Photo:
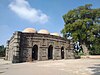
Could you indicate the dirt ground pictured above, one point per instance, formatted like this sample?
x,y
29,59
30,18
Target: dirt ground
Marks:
x,y
52,67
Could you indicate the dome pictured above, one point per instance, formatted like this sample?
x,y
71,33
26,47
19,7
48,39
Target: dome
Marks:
x,y
43,31
55,34
29,30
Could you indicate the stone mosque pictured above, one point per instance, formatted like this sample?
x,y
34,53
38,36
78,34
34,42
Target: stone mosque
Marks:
x,y
30,45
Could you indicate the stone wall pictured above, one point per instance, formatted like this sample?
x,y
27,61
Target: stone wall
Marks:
x,y
13,48
19,48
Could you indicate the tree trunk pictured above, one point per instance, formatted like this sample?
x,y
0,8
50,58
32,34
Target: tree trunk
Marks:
x,y
85,49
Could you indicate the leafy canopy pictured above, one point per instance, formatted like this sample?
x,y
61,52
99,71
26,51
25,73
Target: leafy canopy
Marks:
x,y
83,22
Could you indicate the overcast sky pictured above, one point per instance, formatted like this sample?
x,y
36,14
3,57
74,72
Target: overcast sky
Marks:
x,y
16,15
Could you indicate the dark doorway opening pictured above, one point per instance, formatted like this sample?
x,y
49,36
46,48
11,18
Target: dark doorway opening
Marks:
x,y
62,52
50,52
35,52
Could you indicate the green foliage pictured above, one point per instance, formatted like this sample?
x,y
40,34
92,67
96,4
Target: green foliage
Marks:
x,y
2,51
84,24
95,49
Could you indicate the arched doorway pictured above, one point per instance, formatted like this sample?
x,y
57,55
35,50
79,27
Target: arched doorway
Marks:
x,y
50,52
62,52
35,52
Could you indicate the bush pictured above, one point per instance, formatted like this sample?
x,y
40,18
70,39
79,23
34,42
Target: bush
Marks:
x,y
95,50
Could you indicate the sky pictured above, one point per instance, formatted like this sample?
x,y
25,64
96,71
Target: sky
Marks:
x,y
16,15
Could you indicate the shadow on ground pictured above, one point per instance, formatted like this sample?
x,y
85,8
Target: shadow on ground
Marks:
x,y
2,72
95,69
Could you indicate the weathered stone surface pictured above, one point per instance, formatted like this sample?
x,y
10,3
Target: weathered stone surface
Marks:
x,y
21,47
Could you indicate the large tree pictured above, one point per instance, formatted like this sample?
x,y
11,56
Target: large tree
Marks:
x,y
84,24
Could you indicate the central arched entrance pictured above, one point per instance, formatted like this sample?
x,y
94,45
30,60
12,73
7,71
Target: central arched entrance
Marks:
x,y
62,52
35,52
50,52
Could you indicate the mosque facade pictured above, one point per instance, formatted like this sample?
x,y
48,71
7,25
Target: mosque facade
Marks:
x,y
30,45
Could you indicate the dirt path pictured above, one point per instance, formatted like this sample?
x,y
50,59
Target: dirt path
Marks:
x,y
53,67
